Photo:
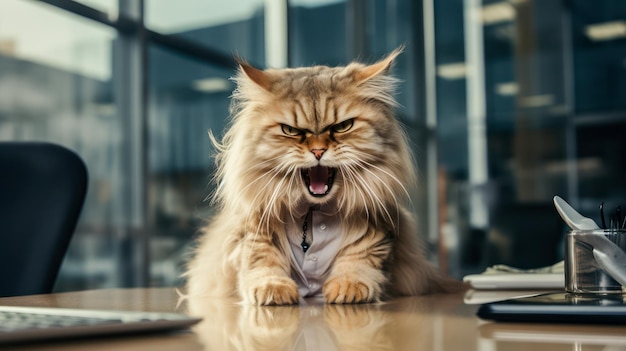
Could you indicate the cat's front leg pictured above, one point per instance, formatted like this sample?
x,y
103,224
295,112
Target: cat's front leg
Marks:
x,y
264,275
269,288
358,273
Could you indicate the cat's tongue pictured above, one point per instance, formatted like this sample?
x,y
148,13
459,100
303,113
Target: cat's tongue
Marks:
x,y
318,178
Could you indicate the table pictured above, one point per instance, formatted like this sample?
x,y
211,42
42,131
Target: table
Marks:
x,y
433,323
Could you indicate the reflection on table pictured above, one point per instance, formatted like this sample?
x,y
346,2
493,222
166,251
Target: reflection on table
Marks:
x,y
510,336
402,324
429,323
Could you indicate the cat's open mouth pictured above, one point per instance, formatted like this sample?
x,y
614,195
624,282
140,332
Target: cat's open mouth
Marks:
x,y
319,179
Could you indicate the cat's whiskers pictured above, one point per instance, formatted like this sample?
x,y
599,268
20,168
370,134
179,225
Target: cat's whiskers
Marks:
x,y
275,193
353,155
377,202
347,173
271,208
392,176
264,219
294,176
391,192
261,178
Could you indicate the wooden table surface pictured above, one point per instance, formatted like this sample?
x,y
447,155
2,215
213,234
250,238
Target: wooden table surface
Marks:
x,y
437,322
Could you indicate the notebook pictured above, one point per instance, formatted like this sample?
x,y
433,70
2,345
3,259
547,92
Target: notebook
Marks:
x,y
24,324
504,281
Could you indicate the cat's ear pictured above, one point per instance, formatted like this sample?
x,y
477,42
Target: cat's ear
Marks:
x,y
378,68
260,77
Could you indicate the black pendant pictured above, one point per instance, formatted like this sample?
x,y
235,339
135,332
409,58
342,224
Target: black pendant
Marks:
x,y
305,246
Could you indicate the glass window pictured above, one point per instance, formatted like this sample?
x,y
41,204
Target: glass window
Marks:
x,y
183,106
56,85
45,35
317,33
107,6
601,165
389,26
530,99
232,27
599,55
60,81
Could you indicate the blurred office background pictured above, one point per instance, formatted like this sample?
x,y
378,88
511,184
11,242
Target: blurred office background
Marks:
x,y
507,103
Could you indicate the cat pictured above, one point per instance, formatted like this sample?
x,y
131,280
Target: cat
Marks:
x,y
312,199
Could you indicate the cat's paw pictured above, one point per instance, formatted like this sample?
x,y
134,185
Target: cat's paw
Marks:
x,y
346,289
274,291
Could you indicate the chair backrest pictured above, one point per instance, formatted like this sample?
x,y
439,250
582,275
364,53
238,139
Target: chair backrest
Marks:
x,y
42,190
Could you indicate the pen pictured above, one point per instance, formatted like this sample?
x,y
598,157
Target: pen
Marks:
x,y
602,215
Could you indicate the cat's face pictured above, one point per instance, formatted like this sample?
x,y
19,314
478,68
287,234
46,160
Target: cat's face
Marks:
x,y
317,125
321,134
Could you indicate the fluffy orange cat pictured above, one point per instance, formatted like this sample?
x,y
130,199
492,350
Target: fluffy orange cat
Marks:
x,y
312,192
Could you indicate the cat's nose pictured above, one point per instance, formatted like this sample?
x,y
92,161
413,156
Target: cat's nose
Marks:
x,y
318,153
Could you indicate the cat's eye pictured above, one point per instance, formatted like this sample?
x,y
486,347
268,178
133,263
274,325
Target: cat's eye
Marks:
x,y
289,130
343,126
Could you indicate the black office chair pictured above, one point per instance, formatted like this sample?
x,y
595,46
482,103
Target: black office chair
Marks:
x,y
42,190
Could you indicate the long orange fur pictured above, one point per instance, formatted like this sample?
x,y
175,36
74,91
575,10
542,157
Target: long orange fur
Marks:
x,y
243,251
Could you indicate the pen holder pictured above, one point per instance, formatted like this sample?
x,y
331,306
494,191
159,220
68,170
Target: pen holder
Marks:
x,y
595,261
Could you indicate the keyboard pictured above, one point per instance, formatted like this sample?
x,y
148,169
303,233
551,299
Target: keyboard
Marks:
x,y
23,324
